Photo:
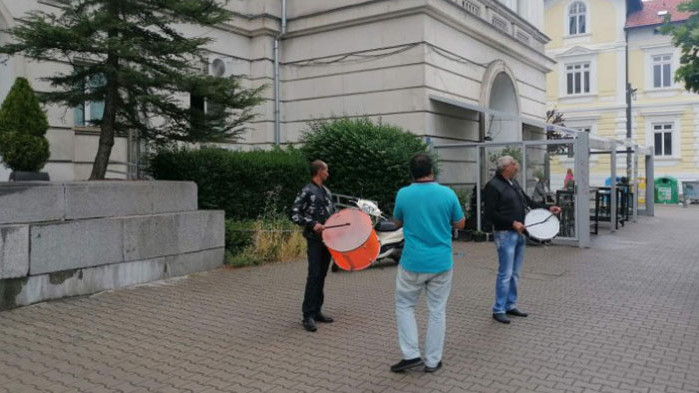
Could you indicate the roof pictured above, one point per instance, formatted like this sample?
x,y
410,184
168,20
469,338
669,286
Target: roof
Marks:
x,y
648,15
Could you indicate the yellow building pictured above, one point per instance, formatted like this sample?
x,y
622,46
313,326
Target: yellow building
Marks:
x,y
595,43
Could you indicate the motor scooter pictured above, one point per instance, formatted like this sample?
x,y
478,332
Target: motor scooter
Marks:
x,y
389,234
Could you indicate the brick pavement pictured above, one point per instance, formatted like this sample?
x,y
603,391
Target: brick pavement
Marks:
x,y
622,316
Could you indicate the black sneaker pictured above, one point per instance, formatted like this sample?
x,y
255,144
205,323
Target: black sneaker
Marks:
x,y
516,313
309,324
406,364
500,317
429,369
323,318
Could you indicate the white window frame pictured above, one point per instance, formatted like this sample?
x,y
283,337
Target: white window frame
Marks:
x,y
568,15
663,91
87,110
565,60
663,61
662,128
570,68
673,118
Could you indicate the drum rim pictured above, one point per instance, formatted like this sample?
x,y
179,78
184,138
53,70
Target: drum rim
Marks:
x,y
363,241
353,269
554,218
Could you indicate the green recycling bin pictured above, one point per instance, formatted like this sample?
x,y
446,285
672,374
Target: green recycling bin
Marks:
x,y
666,190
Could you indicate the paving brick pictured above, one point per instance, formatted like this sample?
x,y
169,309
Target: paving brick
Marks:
x,y
611,318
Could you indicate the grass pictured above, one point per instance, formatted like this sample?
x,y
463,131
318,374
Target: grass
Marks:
x,y
252,243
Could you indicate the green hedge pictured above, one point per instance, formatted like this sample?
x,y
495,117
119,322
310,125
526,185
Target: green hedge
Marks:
x,y
366,159
246,185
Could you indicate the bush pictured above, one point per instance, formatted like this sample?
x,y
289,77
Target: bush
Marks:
x,y
239,235
367,160
23,152
244,184
251,243
23,125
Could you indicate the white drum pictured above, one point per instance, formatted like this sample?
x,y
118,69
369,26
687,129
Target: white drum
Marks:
x,y
541,224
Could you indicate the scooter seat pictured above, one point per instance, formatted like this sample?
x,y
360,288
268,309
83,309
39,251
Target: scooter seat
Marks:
x,y
385,226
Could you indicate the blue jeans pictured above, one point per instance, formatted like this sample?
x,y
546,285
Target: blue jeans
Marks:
x,y
409,285
510,246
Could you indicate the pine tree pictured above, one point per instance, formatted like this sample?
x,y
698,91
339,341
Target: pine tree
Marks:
x,y
144,65
23,125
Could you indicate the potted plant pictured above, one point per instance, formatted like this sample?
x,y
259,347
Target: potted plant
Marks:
x,y
23,124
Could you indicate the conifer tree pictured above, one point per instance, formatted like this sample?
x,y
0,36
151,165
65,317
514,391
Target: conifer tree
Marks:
x,y
23,125
133,57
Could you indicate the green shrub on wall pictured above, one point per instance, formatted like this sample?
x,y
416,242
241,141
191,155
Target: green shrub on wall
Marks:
x,y
366,159
23,124
244,184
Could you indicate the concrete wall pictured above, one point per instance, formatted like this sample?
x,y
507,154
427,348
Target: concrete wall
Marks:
x,y
76,238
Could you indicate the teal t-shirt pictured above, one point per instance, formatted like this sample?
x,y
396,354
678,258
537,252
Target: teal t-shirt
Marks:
x,y
427,211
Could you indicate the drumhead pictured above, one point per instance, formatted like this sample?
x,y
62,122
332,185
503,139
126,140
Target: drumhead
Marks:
x,y
350,237
541,224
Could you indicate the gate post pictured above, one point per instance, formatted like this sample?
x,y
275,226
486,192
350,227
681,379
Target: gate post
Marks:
x,y
582,189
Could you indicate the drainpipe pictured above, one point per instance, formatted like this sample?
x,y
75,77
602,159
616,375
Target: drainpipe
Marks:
x,y
277,105
629,93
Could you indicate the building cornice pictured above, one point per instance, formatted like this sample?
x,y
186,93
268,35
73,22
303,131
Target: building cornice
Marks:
x,y
441,10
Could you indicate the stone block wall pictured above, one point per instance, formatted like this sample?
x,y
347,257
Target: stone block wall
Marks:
x,y
77,238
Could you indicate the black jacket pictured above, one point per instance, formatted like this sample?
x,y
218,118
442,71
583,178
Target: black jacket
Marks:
x,y
312,205
505,203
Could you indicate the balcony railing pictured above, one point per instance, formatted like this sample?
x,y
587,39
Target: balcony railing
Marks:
x,y
499,16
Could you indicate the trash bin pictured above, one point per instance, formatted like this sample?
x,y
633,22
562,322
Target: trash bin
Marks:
x,y
690,190
666,190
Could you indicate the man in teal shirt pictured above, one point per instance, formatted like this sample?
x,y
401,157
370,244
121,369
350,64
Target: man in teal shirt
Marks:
x,y
427,211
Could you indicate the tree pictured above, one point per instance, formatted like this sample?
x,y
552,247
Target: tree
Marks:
x,y
130,55
366,159
553,116
686,37
23,125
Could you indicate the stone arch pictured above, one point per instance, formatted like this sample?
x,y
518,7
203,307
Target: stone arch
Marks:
x,y
499,92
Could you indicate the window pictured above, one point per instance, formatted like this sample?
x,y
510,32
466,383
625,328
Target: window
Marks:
x,y
577,18
90,112
662,71
578,78
203,109
662,137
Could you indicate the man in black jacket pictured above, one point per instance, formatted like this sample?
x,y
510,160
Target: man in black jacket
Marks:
x,y
505,204
311,208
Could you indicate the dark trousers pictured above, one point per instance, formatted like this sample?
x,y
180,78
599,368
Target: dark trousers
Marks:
x,y
318,263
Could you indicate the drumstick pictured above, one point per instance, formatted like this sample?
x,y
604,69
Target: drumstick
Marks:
x,y
337,226
540,222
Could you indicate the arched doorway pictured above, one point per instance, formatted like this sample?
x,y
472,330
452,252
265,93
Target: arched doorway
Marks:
x,y
499,93
503,98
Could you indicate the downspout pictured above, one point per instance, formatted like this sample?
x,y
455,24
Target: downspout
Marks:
x,y
277,105
629,92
